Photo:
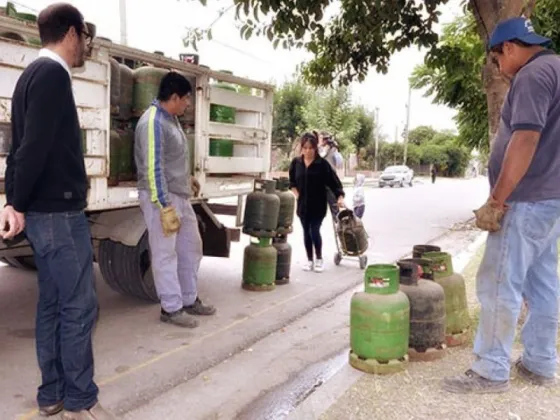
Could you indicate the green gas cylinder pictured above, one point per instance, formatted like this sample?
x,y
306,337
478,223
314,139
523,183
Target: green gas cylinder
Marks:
x,y
456,308
146,87
115,88
126,92
427,313
287,206
262,207
114,158
222,114
380,322
259,266
126,153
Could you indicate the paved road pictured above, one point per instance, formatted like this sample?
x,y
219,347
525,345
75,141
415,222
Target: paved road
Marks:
x,y
150,370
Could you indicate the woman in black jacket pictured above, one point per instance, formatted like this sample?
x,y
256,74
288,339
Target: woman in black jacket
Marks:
x,y
310,176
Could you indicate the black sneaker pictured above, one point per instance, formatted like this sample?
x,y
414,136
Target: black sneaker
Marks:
x,y
472,383
533,378
198,308
179,318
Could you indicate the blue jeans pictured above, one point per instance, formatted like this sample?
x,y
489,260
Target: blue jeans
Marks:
x,y
359,211
66,309
520,261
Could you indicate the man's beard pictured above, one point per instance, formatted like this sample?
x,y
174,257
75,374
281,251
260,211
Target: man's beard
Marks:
x,y
81,58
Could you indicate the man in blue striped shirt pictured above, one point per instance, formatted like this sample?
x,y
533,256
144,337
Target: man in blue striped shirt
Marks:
x,y
164,183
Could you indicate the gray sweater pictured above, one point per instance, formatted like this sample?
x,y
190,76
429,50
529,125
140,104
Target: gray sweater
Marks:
x,y
161,154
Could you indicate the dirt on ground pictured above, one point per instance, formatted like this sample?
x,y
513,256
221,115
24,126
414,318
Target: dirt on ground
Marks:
x,y
416,392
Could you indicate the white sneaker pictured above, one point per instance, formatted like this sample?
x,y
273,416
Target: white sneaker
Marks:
x,y
308,266
319,266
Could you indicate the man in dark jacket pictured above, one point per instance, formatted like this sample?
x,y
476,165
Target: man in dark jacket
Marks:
x,y
46,192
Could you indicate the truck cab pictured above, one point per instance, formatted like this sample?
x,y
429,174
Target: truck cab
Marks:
x,y
228,130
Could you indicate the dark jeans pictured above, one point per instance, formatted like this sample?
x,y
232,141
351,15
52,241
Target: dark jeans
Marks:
x,y
312,237
359,210
66,310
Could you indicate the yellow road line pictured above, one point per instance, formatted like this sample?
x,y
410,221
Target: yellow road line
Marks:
x,y
29,415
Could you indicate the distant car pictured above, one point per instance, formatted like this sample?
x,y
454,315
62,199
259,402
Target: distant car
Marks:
x,y
400,175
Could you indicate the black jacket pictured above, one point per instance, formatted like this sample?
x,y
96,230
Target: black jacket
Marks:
x,y
312,183
45,168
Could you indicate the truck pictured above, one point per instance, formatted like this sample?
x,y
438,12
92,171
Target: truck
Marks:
x,y
227,155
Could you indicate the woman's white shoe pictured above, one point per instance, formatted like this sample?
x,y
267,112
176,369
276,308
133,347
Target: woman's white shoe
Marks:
x,y
308,266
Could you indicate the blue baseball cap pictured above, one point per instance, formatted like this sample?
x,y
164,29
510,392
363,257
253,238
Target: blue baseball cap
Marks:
x,y
516,28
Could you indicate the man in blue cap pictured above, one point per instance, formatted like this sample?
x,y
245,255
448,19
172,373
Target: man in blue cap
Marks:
x,y
522,216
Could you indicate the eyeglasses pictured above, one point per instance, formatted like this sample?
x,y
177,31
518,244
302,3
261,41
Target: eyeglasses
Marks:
x,y
89,33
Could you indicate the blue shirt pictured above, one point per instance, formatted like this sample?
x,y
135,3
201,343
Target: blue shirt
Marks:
x,y
532,103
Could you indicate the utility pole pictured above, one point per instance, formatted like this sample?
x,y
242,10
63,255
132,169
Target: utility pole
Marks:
x,y
122,12
407,124
376,137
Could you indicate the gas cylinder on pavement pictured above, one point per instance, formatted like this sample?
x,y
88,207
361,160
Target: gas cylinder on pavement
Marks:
x,y
261,210
456,307
259,266
424,267
284,261
427,314
379,322
287,206
419,250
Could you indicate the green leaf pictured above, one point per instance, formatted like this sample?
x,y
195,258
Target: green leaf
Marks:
x,y
209,34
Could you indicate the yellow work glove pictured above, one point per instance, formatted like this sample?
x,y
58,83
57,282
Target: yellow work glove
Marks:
x,y
195,186
170,221
490,215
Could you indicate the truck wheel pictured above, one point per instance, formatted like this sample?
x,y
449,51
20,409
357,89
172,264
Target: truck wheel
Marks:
x,y
23,263
127,269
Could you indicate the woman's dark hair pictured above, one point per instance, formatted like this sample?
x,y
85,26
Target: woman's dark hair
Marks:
x,y
312,139
55,21
171,83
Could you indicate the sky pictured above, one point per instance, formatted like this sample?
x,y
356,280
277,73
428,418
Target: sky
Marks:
x,y
161,25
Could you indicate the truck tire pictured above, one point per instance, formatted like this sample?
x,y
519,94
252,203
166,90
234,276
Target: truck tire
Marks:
x,y
127,269
23,263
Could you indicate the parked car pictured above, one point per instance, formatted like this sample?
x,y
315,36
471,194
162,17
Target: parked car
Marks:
x,y
400,175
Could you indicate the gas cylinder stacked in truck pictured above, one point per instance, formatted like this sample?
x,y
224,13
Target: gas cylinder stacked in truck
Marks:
x,y
284,228
134,87
260,221
225,115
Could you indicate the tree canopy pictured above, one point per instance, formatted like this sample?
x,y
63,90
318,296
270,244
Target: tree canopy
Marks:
x,y
452,71
362,35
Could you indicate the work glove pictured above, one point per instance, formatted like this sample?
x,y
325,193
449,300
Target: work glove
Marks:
x,y
490,215
195,186
170,221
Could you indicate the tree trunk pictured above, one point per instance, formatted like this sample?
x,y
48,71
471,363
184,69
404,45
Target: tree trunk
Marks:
x,y
487,14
